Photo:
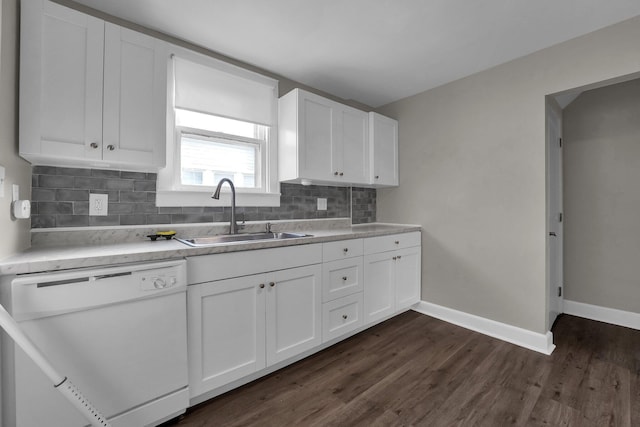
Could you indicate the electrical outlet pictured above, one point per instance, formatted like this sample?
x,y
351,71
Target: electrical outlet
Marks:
x,y
322,204
98,204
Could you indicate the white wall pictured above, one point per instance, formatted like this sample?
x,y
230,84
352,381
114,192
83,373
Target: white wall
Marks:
x,y
602,197
14,233
472,173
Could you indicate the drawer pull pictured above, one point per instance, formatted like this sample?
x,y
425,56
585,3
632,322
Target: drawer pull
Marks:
x,y
344,278
395,258
397,242
344,316
345,250
272,284
336,173
261,285
93,145
399,256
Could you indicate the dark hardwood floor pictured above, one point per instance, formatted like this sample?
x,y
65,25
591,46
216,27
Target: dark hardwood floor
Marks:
x,y
416,370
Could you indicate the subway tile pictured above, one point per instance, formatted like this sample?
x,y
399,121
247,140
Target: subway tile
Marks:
x,y
147,208
133,175
56,181
121,208
158,219
73,171
133,219
81,208
104,220
133,196
55,208
72,195
144,185
105,173
43,221
43,194
72,220
43,170
119,184
189,218
89,183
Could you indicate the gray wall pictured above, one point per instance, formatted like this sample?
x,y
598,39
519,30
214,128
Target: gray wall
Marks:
x,y
472,174
15,233
601,160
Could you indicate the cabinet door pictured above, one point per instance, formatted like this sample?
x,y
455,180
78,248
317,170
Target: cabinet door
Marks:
x,y
226,332
379,286
384,150
61,70
353,153
134,98
293,312
408,273
316,137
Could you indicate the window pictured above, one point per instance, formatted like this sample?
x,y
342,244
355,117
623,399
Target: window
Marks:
x,y
222,125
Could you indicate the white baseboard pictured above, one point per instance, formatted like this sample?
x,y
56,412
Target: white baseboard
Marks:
x,y
542,343
627,319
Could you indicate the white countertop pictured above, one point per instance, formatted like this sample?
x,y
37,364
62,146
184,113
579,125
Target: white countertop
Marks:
x,y
48,258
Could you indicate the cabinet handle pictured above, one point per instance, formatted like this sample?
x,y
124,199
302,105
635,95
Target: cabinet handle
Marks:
x,y
336,173
344,278
272,284
345,250
395,258
261,285
344,316
397,242
341,173
111,147
377,176
399,256
93,145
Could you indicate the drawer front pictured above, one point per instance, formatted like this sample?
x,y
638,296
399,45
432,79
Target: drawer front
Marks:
x,y
341,249
391,242
341,278
341,316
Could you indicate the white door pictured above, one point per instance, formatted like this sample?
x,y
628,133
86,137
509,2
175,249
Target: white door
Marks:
x,y
379,286
384,149
61,75
317,135
407,277
134,97
294,304
226,331
555,289
354,153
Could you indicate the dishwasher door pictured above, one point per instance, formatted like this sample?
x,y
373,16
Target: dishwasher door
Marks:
x,y
118,333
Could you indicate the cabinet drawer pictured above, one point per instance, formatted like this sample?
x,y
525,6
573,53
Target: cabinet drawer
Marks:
x,y
341,249
391,242
341,316
341,278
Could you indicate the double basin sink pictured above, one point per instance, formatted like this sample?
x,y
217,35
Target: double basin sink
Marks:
x,y
238,238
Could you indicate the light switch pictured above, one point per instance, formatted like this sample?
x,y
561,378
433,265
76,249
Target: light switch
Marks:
x,y
322,204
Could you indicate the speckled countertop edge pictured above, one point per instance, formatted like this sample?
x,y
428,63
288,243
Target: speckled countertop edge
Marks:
x,y
50,258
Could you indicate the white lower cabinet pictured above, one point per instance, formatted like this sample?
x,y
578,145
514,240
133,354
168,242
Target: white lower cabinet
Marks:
x,y
341,316
392,271
241,325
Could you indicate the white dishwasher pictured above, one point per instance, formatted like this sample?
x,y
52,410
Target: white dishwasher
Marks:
x,y
119,333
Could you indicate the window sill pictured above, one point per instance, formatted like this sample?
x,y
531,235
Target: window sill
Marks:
x,y
201,198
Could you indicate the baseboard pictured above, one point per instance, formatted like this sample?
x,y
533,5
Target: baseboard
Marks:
x,y
627,319
542,343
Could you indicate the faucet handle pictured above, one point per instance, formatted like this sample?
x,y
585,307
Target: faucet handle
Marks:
x,y
268,227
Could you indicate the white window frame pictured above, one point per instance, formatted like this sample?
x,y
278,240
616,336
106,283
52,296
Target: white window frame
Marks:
x,y
171,192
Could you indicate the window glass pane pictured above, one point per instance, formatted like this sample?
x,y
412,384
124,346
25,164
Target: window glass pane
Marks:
x,y
205,161
192,119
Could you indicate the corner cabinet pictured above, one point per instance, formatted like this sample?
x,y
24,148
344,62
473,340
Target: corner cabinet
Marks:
x,y
322,141
91,93
383,133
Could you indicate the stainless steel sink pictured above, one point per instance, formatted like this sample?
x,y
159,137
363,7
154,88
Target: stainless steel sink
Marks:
x,y
238,238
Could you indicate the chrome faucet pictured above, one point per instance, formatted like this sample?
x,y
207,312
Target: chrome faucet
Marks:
x,y
233,226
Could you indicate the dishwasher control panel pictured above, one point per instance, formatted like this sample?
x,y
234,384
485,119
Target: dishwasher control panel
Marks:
x,y
152,280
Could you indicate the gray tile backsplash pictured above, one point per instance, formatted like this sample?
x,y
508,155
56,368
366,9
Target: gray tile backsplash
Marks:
x,y
60,198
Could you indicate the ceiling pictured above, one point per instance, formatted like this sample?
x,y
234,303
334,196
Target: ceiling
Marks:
x,y
372,51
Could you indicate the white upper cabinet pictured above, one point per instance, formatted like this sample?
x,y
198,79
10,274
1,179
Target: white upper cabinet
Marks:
x,y
91,93
383,134
322,141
